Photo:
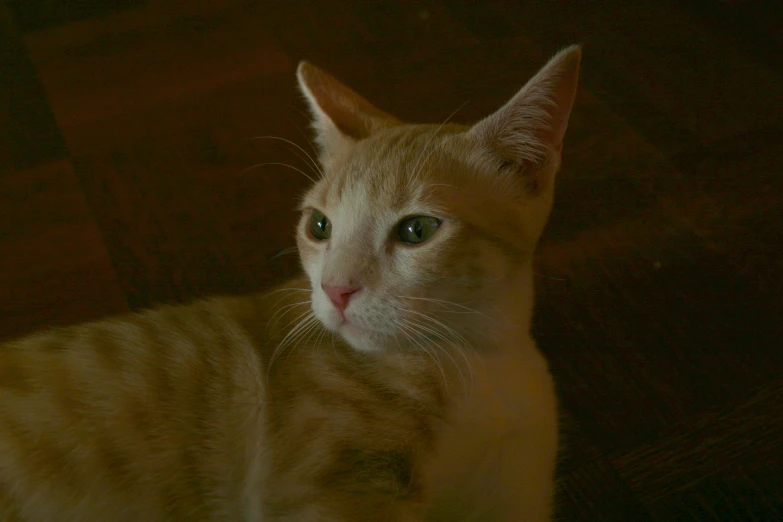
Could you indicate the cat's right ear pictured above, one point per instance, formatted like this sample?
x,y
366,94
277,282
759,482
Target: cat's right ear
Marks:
x,y
341,117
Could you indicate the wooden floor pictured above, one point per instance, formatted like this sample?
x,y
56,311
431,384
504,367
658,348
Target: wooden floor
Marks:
x,y
125,138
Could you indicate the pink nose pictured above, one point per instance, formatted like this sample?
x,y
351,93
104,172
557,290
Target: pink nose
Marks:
x,y
340,295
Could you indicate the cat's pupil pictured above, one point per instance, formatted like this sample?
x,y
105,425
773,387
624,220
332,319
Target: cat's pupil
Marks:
x,y
417,229
320,227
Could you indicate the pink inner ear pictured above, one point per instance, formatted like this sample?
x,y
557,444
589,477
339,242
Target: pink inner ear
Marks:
x,y
529,129
353,115
346,115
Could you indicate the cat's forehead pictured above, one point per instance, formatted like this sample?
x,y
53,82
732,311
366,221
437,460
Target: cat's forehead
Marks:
x,y
391,169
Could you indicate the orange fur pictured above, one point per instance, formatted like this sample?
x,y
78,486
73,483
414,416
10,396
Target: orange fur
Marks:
x,y
426,399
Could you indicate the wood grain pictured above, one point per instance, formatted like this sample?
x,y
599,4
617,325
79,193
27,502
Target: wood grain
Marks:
x,y
54,268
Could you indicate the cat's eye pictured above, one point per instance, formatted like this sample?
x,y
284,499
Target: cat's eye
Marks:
x,y
418,229
320,226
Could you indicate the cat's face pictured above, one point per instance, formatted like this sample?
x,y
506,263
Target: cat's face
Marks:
x,y
414,231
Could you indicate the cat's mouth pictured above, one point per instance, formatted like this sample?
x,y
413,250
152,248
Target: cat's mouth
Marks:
x,y
353,327
360,337
358,334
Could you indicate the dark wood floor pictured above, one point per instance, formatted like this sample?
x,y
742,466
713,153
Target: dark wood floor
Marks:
x,y
124,137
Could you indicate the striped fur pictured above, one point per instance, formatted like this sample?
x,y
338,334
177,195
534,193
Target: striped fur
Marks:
x,y
431,403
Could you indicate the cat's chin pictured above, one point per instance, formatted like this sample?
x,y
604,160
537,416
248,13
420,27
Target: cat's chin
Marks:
x,y
361,339
350,329
357,337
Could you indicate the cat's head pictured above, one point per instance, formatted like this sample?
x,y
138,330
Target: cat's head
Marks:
x,y
419,231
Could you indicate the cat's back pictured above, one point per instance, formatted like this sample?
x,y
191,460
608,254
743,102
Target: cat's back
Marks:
x,y
114,420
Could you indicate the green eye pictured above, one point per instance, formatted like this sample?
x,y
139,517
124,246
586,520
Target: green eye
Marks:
x,y
418,229
320,226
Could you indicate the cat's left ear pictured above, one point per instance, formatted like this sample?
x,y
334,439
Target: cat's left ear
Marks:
x,y
526,134
341,117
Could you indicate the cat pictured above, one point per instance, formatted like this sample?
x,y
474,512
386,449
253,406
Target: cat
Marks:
x,y
396,380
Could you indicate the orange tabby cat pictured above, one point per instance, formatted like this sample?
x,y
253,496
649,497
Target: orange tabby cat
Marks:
x,y
397,382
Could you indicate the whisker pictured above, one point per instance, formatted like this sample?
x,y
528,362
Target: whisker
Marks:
x,y
299,320
284,252
307,312
291,336
501,313
309,157
550,277
399,351
317,342
290,292
295,289
308,161
435,359
282,310
450,303
309,142
303,173
297,339
419,162
456,339
302,338
449,341
456,335
445,185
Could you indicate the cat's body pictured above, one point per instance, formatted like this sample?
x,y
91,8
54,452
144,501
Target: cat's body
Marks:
x,y
135,414
398,381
